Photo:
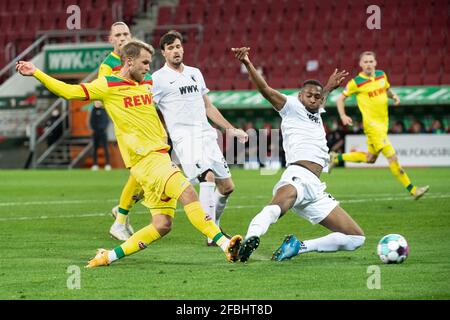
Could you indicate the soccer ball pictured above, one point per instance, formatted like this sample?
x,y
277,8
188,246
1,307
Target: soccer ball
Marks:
x,y
393,248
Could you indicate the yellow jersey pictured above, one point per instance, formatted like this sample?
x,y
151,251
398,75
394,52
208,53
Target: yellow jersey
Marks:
x,y
130,106
372,100
110,65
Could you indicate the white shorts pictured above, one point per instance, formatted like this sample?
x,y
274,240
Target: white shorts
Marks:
x,y
197,155
312,203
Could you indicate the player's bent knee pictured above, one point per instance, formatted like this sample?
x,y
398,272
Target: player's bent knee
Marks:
x,y
226,190
163,226
371,159
207,176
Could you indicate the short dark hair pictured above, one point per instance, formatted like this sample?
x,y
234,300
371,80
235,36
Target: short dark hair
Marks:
x,y
170,38
133,49
312,82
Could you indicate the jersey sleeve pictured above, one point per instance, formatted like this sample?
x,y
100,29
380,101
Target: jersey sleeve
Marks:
x,y
287,105
156,89
203,89
60,88
350,89
96,90
387,85
104,70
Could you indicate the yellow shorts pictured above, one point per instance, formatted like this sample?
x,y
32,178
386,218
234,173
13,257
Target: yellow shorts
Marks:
x,y
152,172
380,143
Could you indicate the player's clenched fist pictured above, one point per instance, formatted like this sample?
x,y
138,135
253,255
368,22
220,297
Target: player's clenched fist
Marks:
x,y
25,68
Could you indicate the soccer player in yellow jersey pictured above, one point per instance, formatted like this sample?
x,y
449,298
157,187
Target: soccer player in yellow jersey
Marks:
x,y
127,97
121,229
372,90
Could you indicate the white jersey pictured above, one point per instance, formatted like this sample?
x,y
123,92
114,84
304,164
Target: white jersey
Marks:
x,y
303,133
179,96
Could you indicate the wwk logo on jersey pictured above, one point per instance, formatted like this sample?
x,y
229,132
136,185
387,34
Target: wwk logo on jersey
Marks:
x,y
188,89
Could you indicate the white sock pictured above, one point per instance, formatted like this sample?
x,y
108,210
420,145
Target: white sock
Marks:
x,y
333,242
112,256
224,245
221,202
207,199
261,222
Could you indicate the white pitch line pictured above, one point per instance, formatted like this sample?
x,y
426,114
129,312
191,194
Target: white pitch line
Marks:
x,y
387,196
100,214
37,203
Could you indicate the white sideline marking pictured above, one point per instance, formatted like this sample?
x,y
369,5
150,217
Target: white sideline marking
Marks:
x,y
100,214
387,196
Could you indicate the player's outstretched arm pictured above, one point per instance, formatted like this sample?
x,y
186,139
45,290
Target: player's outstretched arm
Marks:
x,y
273,96
62,89
216,116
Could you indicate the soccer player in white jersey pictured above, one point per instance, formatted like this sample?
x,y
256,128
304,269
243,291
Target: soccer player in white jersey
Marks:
x,y
299,188
181,95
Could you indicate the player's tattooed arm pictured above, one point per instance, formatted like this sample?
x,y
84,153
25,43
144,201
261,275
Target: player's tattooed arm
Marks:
x,y
277,99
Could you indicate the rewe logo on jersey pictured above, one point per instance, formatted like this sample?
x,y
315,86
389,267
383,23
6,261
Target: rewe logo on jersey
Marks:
x,y
188,89
138,100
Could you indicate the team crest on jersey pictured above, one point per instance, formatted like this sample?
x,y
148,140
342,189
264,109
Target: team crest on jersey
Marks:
x,y
142,245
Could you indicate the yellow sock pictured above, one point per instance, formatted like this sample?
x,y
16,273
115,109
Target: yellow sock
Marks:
x,y
130,193
197,217
353,157
138,241
401,176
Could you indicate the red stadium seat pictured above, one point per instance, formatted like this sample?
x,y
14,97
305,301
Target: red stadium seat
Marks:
x,y
445,79
165,15
433,65
413,79
416,65
431,79
396,79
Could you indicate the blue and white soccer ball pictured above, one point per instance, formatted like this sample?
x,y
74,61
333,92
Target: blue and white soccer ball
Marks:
x,y
393,248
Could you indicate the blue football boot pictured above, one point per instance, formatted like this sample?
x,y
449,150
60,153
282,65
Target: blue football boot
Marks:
x,y
288,249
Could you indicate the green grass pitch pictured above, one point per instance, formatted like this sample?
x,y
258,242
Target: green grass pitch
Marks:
x,y
51,220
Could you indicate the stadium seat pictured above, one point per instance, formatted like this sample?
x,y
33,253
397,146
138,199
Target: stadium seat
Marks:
x,y
396,79
413,79
445,79
431,79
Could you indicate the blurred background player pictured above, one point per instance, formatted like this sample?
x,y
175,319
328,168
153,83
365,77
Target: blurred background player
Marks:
x,y
300,188
372,90
181,95
98,121
127,98
121,229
